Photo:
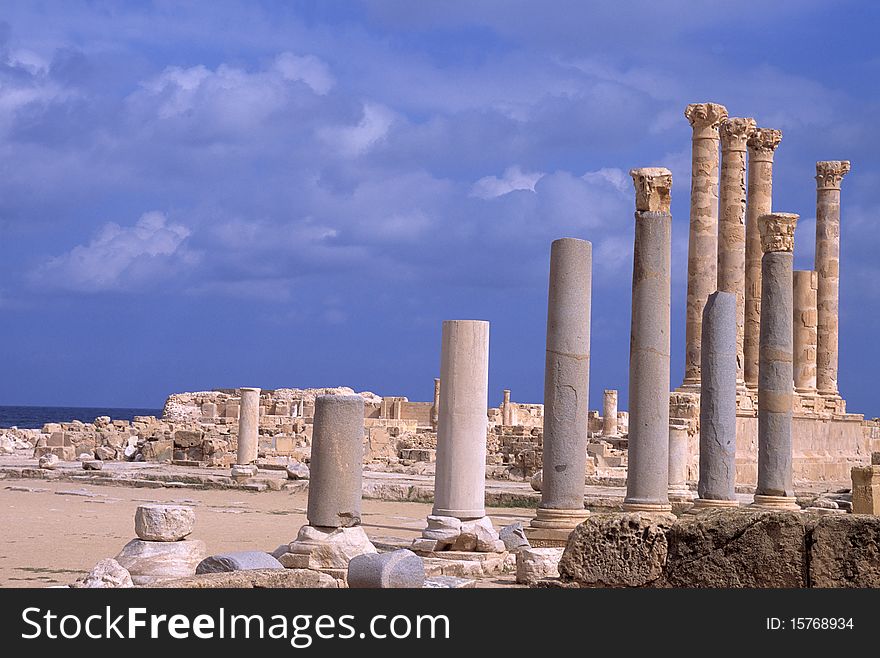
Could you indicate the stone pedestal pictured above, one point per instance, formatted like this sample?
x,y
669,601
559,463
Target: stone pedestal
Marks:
x,y
705,118
248,426
732,223
829,175
566,387
805,331
761,145
775,377
460,476
866,489
609,413
716,487
648,460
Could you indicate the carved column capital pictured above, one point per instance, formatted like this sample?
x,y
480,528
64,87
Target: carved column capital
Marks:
x,y
735,132
653,188
830,173
777,231
763,143
705,119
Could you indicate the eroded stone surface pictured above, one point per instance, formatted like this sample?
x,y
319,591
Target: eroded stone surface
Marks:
x,y
107,573
533,564
158,522
238,561
845,551
393,570
149,561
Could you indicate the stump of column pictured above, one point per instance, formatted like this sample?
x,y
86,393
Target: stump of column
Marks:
x,y
805,331
829,175
775,376
717,480
705,119
248,426
761,145
735,133
566,392
506,411
609,413
435,408
648,466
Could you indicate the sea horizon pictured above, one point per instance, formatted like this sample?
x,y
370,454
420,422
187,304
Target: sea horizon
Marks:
x,y
35,416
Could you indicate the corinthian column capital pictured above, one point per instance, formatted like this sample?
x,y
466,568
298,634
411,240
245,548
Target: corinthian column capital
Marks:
x,y
735,132
705,118
653,188
763,143
830,173
777,231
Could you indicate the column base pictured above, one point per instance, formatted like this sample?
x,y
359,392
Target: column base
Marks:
x,y
689,386
776,503
646,507
241,472
806,392
563,519
701,504
680,494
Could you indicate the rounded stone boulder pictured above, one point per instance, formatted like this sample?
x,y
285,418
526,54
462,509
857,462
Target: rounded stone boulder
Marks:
x,y
151,561
157,522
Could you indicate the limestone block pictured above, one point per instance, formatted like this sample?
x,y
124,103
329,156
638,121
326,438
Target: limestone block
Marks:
x,y
107,573
737,548
617,550
254,578
92,465
487,540
158,522
514,537
283,445
149,561
393,570
297,471
105,453
444,529
866,489
188,438
537,480
316,548
845,551
533,564
49,461
243,471
449,582
238,561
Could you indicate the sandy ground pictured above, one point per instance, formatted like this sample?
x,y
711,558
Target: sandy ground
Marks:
x,y
53,532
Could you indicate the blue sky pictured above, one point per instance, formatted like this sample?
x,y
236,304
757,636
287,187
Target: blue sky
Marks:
x,y
201,195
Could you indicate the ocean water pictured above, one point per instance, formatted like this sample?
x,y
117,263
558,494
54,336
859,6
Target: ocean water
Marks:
x,y
36,417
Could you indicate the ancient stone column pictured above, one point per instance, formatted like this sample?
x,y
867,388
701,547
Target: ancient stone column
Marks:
x,y
435,408
732,222
506,414
460,476
648,472
336,467
677,488
805,332
705,118
248,426
775,377
609,413
762,144
716,486
829,175
566,387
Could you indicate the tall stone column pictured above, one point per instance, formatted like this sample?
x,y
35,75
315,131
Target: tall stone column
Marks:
x,y
705,118
435,408
775,377
609,413
805,332
566,389
762,144
248,426
648,472
829,175
735,132
717,483
460,476
506,412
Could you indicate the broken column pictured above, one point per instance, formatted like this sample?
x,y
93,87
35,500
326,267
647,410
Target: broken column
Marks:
x,y
248,434
775,378
333,535
735,132
609,413
566,392
805,333
705,118
648,472
717,482
458,519
506,410
762,144
829,175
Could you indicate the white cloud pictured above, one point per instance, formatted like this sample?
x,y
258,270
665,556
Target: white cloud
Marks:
x,y
308,69
512,179
357,140
120,257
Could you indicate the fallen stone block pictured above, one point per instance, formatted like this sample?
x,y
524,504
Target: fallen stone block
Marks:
x,y
158,522
49,461
107,573
297,471
238,561
533,564
316,548
254,578
149,561
844,551
394,570
93,465
514,537
537,480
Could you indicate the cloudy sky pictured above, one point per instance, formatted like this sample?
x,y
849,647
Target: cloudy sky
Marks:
x,y
201,195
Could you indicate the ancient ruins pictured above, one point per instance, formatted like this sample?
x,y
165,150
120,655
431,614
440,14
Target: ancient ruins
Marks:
x,y
758,423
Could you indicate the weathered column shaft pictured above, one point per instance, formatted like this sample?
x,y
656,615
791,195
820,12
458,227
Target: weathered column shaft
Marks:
x,y
460,476
435,408
336,467
805,332
775,377
762,144
248,426
566,384
829,175
732,222
718,402
609,413
705,118
648,468
506,412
